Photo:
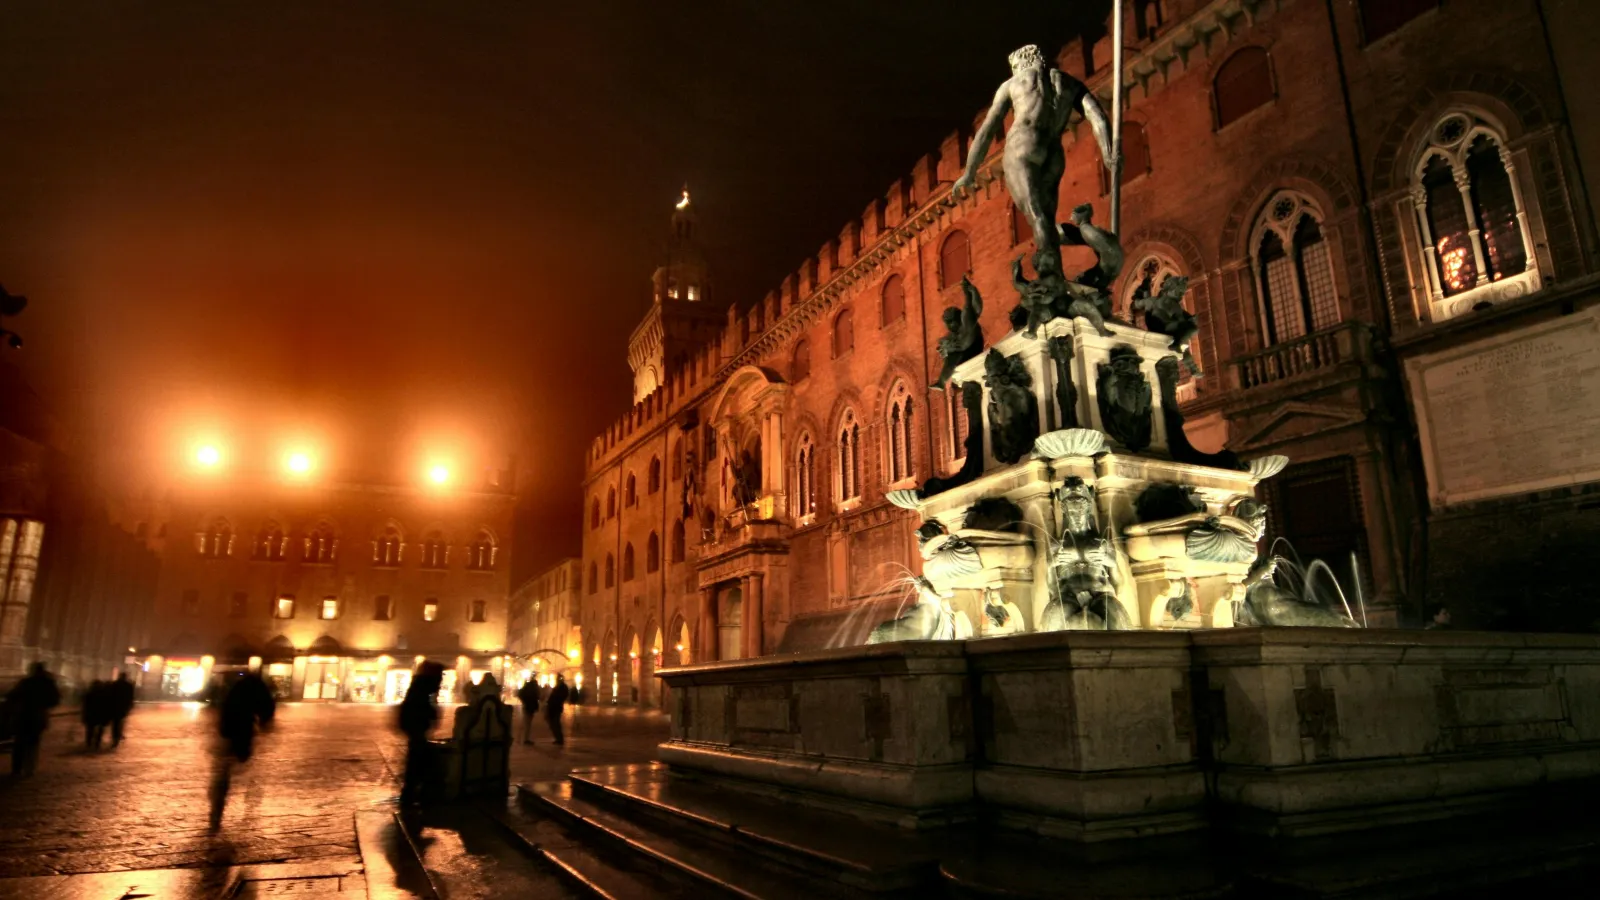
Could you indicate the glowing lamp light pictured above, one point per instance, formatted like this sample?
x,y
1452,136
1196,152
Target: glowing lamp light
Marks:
x,y
613,657
680,648
438,474
208,456
298,463
573,655
684,203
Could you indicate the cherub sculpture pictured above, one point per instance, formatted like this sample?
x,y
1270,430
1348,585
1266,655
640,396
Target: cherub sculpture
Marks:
x,y
965,338
1164,314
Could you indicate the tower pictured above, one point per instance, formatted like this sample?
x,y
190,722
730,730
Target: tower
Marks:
x,y
682,317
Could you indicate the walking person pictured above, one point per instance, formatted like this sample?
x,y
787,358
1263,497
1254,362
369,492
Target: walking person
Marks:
x,y
246,706
94,714
554,706
528,694
119,702
418,713
30,701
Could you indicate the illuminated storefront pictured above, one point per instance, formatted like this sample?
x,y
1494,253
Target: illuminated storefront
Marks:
x,y
316,678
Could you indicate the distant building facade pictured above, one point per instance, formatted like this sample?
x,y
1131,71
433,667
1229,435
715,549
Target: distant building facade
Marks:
x,y
75,589
335,590
1351,188
545,637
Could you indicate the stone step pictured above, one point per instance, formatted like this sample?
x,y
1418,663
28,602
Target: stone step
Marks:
x,y
832,847
468,856
393,871
712,869
601,875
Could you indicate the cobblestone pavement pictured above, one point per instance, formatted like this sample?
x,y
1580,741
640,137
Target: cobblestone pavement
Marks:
x,y
143,806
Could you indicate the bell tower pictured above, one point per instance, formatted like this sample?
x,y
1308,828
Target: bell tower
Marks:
x,y
682,316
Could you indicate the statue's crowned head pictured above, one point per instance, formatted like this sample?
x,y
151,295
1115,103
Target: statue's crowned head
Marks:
x,y
1029,57
1253,511
1077,498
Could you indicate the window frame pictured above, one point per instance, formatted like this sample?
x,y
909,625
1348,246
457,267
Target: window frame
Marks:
x,y
1284,228
1272,88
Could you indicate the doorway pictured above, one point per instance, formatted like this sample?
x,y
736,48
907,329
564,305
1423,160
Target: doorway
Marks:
x,y
1316,507
322,679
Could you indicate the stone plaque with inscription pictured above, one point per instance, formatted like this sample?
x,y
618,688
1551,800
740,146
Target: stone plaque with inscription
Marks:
x,y
1515,413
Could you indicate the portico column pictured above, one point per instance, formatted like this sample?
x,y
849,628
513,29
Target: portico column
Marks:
x,y
707,632
752,616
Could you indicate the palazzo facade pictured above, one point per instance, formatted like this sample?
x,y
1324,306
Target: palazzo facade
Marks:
x,y
1347,186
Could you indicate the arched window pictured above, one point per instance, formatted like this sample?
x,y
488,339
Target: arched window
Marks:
x,y
594,578
321,545
955,258
801,367
677,541
654,482
805,477
436,553
849,477
269,543
611,570
481,555
1294,268
901,453
1135,156
627,562
216,542
894,300
677,459
594,513
844,334
630,494
652,553
386,549
611,502
1243,83
1469,209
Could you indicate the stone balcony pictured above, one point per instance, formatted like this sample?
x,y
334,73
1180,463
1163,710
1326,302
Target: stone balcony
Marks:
x,y
1347,346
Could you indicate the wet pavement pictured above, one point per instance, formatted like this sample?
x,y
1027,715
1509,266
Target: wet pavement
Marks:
x,y
135,813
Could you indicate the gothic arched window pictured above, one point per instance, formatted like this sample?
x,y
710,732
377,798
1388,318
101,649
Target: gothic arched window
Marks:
x,y
1243,83
611,570
216,542
1294,268
630,495
1470,210
611,502
269,543
436,553
677,459
844,333
652,553
321,545
386,549
653,483
481,555
901,452
955,258
627,562
849,476
805,477
594,513
894,300
801,367
677,541
1135,156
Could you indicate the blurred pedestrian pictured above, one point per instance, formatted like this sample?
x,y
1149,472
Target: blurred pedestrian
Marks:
x,y
244,707
95,714
119,695
554,706
529,695
418,713
488,686
30,702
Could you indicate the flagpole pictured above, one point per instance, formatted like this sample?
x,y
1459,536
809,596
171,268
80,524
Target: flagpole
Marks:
x,y
1116,117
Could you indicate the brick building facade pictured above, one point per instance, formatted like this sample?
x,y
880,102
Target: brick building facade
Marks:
x,y
1348,185
336,590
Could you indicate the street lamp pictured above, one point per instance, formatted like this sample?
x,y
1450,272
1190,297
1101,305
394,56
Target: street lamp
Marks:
x,y
298,463
208,455
439,474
